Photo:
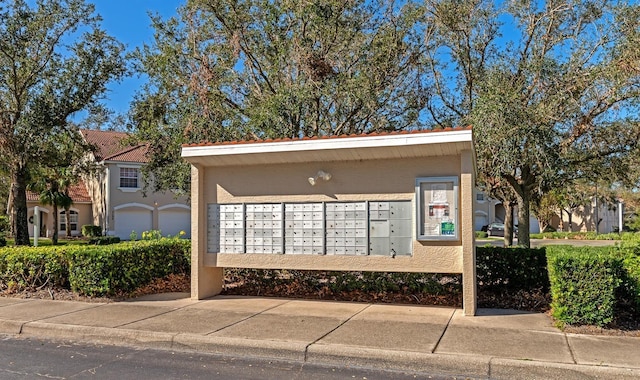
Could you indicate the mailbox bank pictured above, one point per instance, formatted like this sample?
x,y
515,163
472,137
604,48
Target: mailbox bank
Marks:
x,y
398,202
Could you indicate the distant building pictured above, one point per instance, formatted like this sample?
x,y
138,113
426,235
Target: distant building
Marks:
x,y
112,197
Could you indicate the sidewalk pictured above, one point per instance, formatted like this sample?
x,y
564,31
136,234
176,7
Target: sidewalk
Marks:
x,y
496,344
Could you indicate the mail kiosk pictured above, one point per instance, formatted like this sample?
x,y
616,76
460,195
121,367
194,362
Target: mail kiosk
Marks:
x,y
393,202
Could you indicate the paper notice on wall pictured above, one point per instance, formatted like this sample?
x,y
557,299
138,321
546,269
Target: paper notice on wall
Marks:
x,y
432,229
438,211
438,193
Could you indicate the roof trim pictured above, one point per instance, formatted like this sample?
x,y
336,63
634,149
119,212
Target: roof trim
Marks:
x,y
324,144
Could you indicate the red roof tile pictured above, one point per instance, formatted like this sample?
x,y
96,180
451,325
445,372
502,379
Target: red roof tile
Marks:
x,y
77,192
325,137
110,146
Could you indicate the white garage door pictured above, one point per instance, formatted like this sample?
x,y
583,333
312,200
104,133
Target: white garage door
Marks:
x,y
172,221
481,221
132,220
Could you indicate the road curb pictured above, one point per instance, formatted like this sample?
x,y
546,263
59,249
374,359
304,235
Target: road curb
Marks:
x,y
446,364
238,346
100,335
319,353
11,327
518,369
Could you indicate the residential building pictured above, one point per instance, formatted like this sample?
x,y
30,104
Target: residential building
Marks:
x,y
113,198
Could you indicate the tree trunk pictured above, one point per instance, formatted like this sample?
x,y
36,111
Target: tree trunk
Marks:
x,y
508,224
55,190
19,211
10,213
67,213
524,202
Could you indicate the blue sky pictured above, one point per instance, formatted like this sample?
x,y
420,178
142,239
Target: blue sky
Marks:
x,y
128,21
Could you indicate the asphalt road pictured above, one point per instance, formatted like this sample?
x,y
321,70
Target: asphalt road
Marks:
x,y
35,359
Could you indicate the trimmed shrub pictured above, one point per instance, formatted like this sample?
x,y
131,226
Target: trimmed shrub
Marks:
x,y
584,284
104,240
93,270
89,230
481,234
121,268
30,268
512,269
629,252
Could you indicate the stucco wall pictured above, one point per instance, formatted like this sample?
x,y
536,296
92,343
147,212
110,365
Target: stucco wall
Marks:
x,y
121,199
373,180
84,217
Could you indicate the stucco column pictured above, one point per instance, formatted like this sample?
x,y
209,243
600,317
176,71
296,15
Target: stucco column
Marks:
x,y
469,286
205,281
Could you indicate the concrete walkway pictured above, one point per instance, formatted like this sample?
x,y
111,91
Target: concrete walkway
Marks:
x,y
496,344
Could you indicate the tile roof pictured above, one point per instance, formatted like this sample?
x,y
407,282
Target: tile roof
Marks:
x,y
326,137
110,146
77,192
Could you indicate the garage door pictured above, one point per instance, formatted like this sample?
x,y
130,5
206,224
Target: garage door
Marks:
x,y
481,221
138,220
172,221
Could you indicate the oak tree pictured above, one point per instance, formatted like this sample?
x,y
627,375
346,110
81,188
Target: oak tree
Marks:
x,y
55,60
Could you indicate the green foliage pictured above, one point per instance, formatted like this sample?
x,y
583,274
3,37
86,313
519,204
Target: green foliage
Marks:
x,y
133,236
93,270
481,234
124,267
4,228
152,235
584,284
4,224
56,60
89,230
276,69
104,240
512,269
27,268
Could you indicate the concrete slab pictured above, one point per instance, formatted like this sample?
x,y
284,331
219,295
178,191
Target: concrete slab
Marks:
x,y
407,313
172,300
505,343
109,315
192,320
610,350
389,335
239,304
325,309
5,301
41,309
281,327
505,319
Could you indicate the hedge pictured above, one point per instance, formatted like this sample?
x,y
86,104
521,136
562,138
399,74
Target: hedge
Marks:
x,y
32,268
585,283
512,269
90,269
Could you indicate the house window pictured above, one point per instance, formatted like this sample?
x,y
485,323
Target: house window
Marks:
x,y
129,177
73,218
480,197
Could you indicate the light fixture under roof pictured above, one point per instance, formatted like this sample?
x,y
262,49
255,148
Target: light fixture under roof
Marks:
x,y
321,174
